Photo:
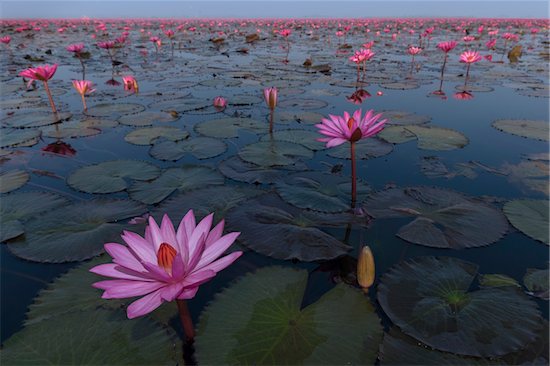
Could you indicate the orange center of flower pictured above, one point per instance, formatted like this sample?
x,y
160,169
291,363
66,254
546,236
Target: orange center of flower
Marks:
x,y
350,122
165,256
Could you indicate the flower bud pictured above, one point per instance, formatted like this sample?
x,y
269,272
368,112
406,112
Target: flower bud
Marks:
x,y
365,268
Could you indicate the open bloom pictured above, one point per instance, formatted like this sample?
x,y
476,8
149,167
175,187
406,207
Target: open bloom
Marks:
x,y
42,73
470,57
5,40
446,46
130,83
220,103
166,264
76,48
106,45
169,33
83,87
270,96
285,32
340,129
412,50
491,44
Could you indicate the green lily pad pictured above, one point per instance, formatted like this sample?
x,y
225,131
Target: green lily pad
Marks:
x,y
230,127
98,337
398,85
76,233
536,353
114,109
303,137
274,228
237,169
17,137
150,135
364,149
274,153
429,298
199,147
100,123
11,180
111,176
244,100
530,217
220,83
35,119
146,118
181,179
303,117
302,103
497,280
538,130
429,137
320,191
19,207
260,320
536,281
441,218
398,118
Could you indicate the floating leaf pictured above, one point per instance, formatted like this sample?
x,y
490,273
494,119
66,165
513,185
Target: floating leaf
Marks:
x,y
114,109
150,135
199,147
441,218
35,119
304,117
303,137
11,180
242,171
497,280
16,137
405,85
98,337
174,179
429,298
62,131
110,176
320,191
364,149
429,137
77,232
19,207
274,153
539,130
530,217
146,118
230,127
536,281
302,103
274,228
405,118
260,320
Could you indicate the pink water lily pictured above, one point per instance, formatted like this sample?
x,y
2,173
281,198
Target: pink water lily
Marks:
x,y
130,84
165,265
270,96
220,103
42,73
83,87
5,40
76,48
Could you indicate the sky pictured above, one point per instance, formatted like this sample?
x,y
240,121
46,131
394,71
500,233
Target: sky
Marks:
x,y
272,8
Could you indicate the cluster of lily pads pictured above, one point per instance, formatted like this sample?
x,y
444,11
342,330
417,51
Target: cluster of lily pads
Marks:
x,y
170,151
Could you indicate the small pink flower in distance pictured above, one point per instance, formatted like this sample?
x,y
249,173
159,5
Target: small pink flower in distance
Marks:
x,y
510,37
446,46
270,96
106,45
412,50
470,57
169,33
130,84
340,129
368,45
339,34
83,87
469,38
488,58
394,36
156,40
379,93
165,265
76,48
534,30
480,29
42,73
5,40
493,32
285,32
491,44
220,103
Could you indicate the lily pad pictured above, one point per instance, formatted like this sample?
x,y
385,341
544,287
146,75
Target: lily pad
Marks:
x,y
398,85
429,137
441,218
497,280
399,118
536,281
76,233
274,153
19,207
530,217
260,320
114,109
98,337
303,104
320,191
146,118
149,135
17,137
69,131
199,147
429,298
35,119
538,130
111,176
11,180
303,137
237,169
364,149
274,228
230,127
303,117
181,179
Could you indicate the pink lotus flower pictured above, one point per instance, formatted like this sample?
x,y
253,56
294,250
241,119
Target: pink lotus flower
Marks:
x,y
470,57
491,44
106,45
446,46
169,33
469,38
340,129
510,37
5,40
488,58
76,48
130,83
285,32
270,96
83,87
42,73
220,103
412,50
368,45
166,264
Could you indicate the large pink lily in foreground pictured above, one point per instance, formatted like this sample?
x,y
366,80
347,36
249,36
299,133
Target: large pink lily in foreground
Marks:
x,y
42,73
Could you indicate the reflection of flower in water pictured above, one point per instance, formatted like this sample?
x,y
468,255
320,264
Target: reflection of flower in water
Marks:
x,y
358,96
112,82
60,148
463,95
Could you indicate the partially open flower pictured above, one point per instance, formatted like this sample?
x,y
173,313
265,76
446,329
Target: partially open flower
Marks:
x,y
130,84
220,103
365,268
270,96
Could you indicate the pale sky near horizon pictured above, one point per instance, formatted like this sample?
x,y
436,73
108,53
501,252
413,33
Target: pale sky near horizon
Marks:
x,y
272,8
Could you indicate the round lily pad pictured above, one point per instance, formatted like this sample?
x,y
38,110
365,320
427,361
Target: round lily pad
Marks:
x,y
320,191
538,130
274,153
11,180
530,217
110,176
304,117
17,208
72,130
430,299
302,103
274,228
429,137
537,282
244,100
199,147
220,83
260,320
114,109
441,218
98,337
229,127
146,118
405,118
303,137
149,135
35,119
77,232
364,149
17,137
237,169
174,179
398,85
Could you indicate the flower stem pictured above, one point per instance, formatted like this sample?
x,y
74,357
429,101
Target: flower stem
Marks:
x,y
353,176
443,72
52,104
83,68
186,321
84,102
467,74
271,121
